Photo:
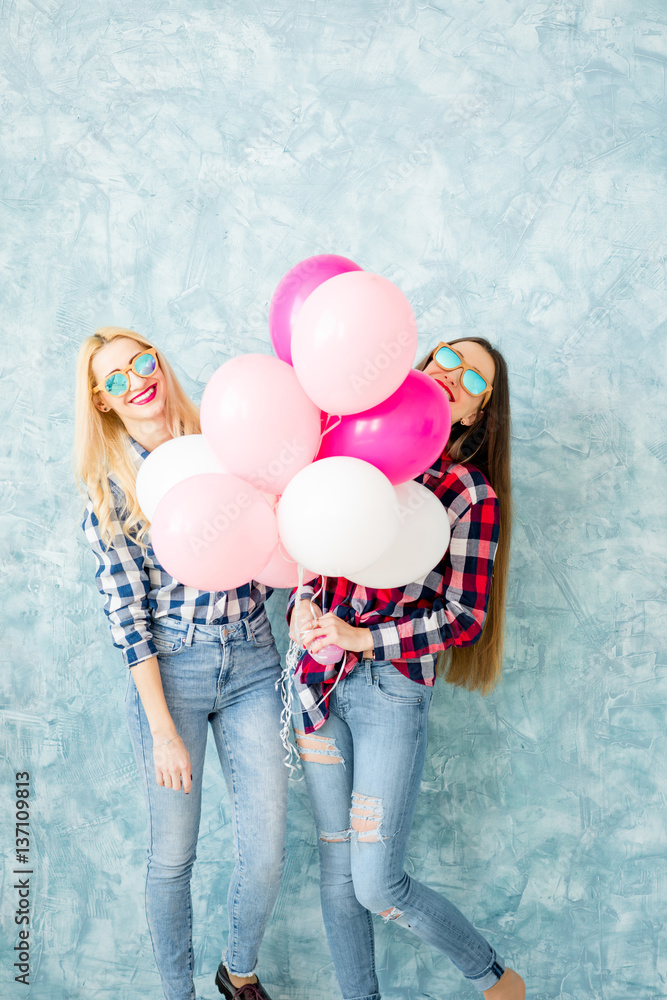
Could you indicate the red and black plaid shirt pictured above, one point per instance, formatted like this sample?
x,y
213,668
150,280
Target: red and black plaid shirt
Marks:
x,y
410,625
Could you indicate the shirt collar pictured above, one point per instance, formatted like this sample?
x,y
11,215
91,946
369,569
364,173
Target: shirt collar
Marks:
x,y
138,450
439,467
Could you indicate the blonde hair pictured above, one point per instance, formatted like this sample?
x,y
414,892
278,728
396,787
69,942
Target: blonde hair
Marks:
x,y
485,444
102,446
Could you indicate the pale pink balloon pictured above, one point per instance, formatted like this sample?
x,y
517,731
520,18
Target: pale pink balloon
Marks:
x,y
282,571
328,654
401,436
293,290
213,532
353,342
259,421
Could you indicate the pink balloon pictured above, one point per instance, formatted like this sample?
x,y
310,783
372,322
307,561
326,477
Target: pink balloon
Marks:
x,y
293,290
402,436
213,532
354,342
282,571
328,654
255,413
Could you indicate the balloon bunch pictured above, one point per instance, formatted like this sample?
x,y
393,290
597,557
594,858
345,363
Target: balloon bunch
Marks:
x,y
307,459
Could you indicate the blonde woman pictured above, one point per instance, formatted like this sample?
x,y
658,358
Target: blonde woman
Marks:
x,y
195,659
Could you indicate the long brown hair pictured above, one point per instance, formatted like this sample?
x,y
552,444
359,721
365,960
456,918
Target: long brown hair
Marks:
x,y
102,445
485,444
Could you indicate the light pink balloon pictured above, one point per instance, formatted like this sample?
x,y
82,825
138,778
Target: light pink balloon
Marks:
x,y
328,654
354,342
213,532
293,290
282,571
259,421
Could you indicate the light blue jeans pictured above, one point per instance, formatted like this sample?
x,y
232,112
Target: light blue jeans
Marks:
x,y
363,769
224,676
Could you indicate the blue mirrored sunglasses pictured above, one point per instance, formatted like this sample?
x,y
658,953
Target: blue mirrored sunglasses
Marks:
x,y
471,380
118,383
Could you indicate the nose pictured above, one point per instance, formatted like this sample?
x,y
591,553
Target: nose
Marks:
x,y
136,383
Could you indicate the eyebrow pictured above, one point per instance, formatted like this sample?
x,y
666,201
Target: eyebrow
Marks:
x,y
119,369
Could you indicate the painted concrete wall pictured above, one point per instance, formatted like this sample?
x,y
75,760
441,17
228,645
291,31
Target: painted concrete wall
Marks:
x,y
504,163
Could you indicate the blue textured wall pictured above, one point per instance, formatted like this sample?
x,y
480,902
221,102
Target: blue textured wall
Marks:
x,y
503,162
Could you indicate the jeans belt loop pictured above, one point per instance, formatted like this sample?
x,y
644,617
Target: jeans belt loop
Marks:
x,y
369,670
189,638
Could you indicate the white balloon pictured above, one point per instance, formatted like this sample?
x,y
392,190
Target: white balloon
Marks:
x,y
338,515
421,542
170,463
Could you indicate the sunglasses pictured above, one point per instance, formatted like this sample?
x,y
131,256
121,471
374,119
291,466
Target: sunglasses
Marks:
x,y
118,383
474,384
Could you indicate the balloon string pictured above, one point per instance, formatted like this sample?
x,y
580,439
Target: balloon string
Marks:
x,y
283,551
292,649
327,429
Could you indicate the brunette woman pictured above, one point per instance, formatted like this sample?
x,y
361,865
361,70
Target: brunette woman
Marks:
x,y
361,726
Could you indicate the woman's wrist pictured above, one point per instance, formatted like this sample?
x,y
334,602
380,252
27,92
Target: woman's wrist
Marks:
x,y
369,648
163,730
159,742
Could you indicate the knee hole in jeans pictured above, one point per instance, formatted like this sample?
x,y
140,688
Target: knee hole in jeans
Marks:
x,y
317,749
366,817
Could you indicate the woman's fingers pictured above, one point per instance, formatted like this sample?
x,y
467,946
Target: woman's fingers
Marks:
x,y
322,635
331,630
173,768
304,616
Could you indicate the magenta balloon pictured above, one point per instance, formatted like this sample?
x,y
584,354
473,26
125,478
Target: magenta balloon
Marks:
x,y
293,290
401,436
213,531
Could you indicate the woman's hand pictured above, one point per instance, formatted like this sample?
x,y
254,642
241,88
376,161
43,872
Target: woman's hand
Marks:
x,y
171,759
172,763
304,616
333,630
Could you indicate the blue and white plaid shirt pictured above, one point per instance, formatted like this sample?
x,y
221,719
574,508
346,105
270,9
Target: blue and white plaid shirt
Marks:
x,y
137,590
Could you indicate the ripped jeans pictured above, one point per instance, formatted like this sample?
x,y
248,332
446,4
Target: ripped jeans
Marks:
x,y
363,769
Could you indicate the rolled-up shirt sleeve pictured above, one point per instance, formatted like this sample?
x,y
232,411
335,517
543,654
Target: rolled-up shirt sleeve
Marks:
x,y
125,585
307,593
456,618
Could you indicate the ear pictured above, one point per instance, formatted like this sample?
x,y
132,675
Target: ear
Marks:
x,y
470,419
101,406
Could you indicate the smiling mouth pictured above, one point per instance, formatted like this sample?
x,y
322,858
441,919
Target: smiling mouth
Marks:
x,y
146,395
447,390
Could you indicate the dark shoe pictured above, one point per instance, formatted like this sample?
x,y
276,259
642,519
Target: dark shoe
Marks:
x,y
251,991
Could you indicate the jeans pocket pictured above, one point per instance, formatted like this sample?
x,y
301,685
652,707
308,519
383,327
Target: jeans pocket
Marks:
x,y
261,633
393,686
168,641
